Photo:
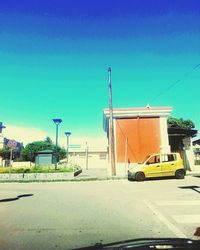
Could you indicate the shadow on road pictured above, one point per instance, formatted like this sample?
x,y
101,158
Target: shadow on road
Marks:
x,y
160,178
156,178
194,188
16,198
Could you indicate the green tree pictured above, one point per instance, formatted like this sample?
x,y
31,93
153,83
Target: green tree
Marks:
x,y
5,153
28,153
61,153
48,140
180,123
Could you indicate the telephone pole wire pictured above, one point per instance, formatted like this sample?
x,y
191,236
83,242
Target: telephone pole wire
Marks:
x,y
111,130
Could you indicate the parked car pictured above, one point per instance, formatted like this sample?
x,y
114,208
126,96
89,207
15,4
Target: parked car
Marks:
x,y
158,165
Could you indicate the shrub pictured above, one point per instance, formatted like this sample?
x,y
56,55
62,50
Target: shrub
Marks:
x,y
197,162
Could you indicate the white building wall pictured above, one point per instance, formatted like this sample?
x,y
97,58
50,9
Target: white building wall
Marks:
x,y
96,160
164,147
189,153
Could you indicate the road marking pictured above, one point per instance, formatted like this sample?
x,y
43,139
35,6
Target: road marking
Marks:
x,y
171,226
177,203
194,218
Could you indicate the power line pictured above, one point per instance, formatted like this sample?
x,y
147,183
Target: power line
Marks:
x,y
175,83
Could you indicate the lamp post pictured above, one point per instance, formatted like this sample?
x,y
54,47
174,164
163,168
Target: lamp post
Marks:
x,y
57,121
68,135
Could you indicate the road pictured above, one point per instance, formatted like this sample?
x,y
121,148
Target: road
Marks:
x,y
66,215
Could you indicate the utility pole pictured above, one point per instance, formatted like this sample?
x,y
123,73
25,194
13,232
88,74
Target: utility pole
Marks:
x,y
111,131
10,165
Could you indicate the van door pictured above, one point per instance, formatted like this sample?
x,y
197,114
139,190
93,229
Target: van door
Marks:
x,y
168,164
152,167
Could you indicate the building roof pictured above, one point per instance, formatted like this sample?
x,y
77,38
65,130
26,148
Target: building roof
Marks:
x,y
196,142
136,112
47,151
182,132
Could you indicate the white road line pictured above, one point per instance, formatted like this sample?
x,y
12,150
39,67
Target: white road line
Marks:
x,y
190,219
171,226
177,203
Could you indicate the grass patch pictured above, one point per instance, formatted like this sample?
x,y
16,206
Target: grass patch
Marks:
x,y
39,169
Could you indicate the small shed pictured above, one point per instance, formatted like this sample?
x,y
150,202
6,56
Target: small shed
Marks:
x,y
44,158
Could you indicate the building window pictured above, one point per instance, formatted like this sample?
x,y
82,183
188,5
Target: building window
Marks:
x,y
102,156
81,155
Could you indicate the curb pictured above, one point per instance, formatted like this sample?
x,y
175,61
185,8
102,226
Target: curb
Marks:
x,y
100,179
70,180
39,177
78,179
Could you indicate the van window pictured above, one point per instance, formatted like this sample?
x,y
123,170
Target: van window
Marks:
x,y
154,159
167,158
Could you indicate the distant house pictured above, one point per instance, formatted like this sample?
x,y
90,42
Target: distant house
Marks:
x,y
89,157
138,132
196,148
180,140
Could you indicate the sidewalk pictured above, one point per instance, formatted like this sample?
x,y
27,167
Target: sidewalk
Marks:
x,y
86,175
102,174
97,174
195,171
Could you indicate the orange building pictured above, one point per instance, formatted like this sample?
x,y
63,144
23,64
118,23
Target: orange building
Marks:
x,y
138,132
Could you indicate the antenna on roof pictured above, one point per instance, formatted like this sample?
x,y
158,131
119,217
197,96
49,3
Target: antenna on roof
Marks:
x,y
148,106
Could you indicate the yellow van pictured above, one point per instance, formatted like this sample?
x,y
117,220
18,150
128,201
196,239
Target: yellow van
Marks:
x,y
158,165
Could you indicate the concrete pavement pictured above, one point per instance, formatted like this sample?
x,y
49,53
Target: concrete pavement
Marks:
x,y
102,174
66,215
195,170
87,174
93,173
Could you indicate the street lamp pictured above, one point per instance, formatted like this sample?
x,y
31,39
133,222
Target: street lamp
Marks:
x,y
68,135
1,127
57,121
1,136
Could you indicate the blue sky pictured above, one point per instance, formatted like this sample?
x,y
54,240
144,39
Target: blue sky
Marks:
x,y
55,54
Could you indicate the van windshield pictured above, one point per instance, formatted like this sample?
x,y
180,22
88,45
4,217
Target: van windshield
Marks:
x,y
146,158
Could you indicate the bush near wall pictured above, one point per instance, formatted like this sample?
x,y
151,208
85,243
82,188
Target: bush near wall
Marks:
x,y
197,162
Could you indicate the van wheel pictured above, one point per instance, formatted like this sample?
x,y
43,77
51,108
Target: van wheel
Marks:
x,y
180,174
140,176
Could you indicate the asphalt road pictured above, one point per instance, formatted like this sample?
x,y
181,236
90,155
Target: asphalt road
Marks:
x,y
67,215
